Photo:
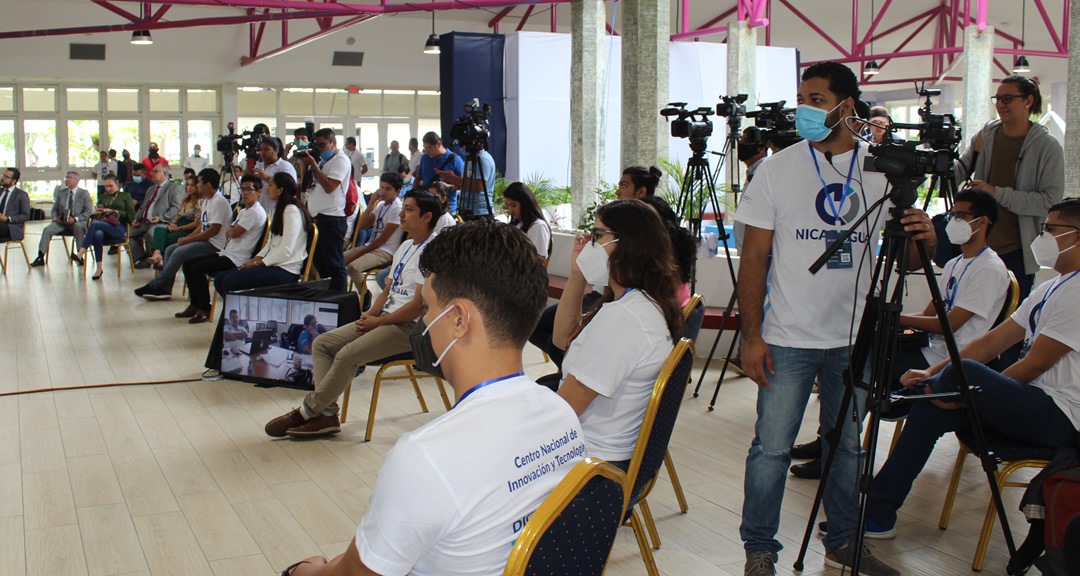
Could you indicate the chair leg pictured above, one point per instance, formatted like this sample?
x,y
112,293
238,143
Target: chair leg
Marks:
x,y
3,261
119,262
650,524
374,403
345,403
213,300
416,388
24,254
643,543
442,392
896,434
954,484
674,477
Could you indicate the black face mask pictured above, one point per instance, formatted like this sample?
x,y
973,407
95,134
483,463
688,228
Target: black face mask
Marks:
x,y
153,153
422,350
747,151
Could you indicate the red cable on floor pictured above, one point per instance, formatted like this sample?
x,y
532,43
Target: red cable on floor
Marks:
x,y
84,386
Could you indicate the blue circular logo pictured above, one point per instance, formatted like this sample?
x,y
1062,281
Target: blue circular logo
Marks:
x,y
845,205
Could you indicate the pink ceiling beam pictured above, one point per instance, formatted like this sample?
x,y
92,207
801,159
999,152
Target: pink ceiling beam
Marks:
x,y
861,47
525,18
1004,35
685,22
116,10
611,30
722,15
494,22
258,37
756,13
160,12
699,33
1049,26
768,16
1015,52
910,80
980,13
904,24
910,37
815,27
247,61
554,19
908,54
854,26
343,9
193,23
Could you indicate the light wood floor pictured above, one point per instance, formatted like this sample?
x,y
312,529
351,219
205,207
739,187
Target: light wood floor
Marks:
x,y
180,478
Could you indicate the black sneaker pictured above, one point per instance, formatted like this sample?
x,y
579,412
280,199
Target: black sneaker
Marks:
x,y
151,293
39,262
808,451
808,470
112,251
868,564
142,264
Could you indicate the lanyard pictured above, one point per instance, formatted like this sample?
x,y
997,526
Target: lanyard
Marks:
x,y
950,297
482,384
847,185
378,220
628,290
1036,312
400,268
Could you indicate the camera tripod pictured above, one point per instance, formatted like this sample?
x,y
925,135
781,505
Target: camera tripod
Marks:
x,y
879,335
474,170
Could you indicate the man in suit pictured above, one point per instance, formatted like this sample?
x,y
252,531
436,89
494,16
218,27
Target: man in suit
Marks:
x,y
14,206
162,202
71,211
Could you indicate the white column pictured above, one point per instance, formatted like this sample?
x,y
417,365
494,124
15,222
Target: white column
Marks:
x,y
587,18
645,47
978,76
742,61
1072,107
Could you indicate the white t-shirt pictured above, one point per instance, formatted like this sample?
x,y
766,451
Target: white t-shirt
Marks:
x,y
405,278
804,310
977,285
253,221
1059,318
618,356
444,221
332,204
540,234
384,215
217,211
414,161
452,496
103,168
196,163
358,160
279,166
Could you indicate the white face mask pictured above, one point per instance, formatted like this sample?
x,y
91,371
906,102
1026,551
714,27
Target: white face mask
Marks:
x,y
1046,250
959,231
593,262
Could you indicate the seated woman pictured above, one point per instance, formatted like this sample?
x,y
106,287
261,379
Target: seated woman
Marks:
x,y
382,332
682,242
525,213
187,219
615,352
114,212
307,335
281,260
442,191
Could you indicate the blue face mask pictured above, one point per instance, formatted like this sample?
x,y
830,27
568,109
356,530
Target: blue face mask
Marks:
x,y
810,122
136,179
327,155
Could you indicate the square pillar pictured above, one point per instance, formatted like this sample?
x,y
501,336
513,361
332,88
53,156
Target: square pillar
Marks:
x,y
645,48
587,19
978,79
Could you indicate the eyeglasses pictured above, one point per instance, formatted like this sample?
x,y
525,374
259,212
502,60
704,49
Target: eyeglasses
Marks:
x,y
1048,227
600,231
954,214
1006,99
247,189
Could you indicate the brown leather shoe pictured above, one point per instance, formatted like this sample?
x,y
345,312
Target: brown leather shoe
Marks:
x,y
188,312
199,318
279,425
321,425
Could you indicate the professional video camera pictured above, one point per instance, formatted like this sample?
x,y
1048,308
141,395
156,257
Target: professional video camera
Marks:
x,y
692,124
772,123
471,131
232,143
301,148
731,106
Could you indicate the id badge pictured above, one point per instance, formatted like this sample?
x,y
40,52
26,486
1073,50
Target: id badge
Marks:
x,y
842,259
1025,349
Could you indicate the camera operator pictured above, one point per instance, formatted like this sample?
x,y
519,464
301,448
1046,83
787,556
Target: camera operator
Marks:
x,y
437,157
801,199
326,202
270,163
301,139
474,198
879,120
1023,166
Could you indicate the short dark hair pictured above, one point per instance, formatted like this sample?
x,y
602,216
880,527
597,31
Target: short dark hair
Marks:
x,y
112,177
392,178
15,174
879,112
404,168
1069,209
327,133
138,167
211,177
496,267
112,153
189,172
982,203
273,143
351,140
308,319
253,179
234,311
432,138
1027,87
842,82
426,203
414,143
643,177
300,132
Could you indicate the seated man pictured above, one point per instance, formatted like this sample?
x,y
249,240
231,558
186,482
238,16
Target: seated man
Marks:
x,y
138,184
383,217
307,335
14,207
382,332
1036,401
452,496
203,241
235,328
157,209
244,236
72,207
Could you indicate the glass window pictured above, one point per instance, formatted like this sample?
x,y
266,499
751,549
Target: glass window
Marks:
x,y
7,99
40,143
122,99
367,141
297,101
331,102
202,101
400,133
165,100
39,99
167,135
201,132
429,103
40,189
84,143
337,127
366,103
251,100
83,99
124,135
299,309
7,143
246,123
425,125
399,102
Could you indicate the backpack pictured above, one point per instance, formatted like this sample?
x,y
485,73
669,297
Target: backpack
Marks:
x,y
1062,493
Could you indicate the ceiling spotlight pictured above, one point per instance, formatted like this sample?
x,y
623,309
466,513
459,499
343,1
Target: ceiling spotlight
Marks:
x,y
141,37
432,45
871,68
1021,66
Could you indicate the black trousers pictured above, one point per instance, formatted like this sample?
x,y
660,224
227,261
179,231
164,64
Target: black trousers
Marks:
x,y
196,273
329,253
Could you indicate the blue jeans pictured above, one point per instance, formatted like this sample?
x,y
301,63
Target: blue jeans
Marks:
x,y
255,277
98,233
175,256
380,278
780,409
1006,407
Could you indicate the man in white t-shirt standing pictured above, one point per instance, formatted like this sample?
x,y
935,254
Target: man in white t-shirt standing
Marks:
x,y
270,163
452,496
326,203
1035,402
359,161
383,217
102,169
205,240
800,200
415,156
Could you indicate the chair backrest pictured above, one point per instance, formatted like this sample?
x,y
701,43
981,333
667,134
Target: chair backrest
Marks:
x,y
311,251
1012,299
355,232
693,316
659,420
573,530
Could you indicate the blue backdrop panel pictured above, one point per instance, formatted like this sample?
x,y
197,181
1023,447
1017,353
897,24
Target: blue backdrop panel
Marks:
x,y
471,66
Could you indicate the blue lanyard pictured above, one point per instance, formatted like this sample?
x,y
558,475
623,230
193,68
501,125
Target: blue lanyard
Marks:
x,y
847,184
955,286
379,219
400,268
1036,312
628,290
482,384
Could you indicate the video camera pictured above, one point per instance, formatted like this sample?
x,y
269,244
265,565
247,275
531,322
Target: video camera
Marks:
x,y
692,124
471,131
772,123
232,143
300,147
731,106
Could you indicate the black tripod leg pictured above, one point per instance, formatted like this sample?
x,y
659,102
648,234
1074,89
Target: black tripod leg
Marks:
x,y
723,371
712,351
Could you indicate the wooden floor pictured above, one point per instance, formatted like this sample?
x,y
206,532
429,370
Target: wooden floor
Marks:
x,y
180,478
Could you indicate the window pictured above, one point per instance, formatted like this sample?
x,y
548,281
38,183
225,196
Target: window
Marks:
x,y
201,132
425,125
401,133
202,101
247,123
40,138
297,101
83,100
124,135
7,143
39,99
429,103
7,99
367,142
399,102
84,143
122,99
366,103
165,100
331,102
167,135
256,100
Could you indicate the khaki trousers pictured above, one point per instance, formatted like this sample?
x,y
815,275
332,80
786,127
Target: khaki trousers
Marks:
x,y
374,259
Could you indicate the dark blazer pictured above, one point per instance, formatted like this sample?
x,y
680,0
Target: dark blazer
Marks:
x,y
18,212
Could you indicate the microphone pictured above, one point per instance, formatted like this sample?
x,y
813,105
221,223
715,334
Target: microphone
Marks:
x,y
828,156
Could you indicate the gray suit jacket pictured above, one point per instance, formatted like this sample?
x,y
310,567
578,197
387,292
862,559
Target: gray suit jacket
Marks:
x,y
167,203
18,212
84,204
